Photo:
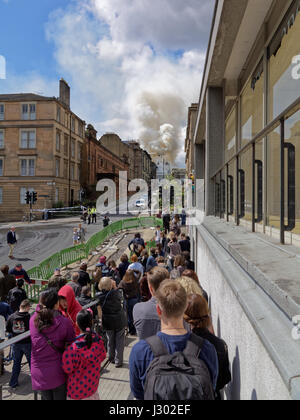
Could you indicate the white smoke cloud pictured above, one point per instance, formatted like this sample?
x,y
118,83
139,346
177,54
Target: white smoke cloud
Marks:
x,y
122,59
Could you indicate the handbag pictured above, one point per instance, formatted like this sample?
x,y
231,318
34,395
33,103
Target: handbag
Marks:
x,y
51,344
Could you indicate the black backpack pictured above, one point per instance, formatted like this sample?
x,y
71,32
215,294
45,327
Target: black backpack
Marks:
x,y
181,376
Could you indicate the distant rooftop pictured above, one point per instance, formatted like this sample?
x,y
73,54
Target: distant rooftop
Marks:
x,y
16,97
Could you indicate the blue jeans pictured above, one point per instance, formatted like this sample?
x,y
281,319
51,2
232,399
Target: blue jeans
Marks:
x,y
19,350
130,305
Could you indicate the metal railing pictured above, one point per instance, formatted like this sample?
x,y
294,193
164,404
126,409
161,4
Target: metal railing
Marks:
x,y
71,255
224,188
7,343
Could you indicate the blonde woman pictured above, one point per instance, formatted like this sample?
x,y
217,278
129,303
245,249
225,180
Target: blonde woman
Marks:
x,y
114,319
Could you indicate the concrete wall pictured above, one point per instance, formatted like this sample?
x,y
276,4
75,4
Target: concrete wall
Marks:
x,y
246,319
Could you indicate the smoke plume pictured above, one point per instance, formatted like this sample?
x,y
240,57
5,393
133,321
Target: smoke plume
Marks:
x,y
160,118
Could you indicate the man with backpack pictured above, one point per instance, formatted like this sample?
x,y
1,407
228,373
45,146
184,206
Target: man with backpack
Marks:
x,y
18,324
138,244
16,296
174,364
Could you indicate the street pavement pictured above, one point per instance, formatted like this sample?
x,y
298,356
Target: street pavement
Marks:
x,y
39,240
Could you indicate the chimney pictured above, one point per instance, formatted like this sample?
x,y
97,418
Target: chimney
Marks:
x,y
64,92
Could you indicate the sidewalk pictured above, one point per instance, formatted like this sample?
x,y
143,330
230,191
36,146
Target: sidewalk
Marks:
x,y
114,383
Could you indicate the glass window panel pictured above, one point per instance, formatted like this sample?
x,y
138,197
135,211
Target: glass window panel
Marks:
x,y
31,167
32,112
32,142
252,110
284,84
1,139
1,167
231,191
259,184
23,167
230,135
245,188
292,136
1,195
24,137
1,112
273,183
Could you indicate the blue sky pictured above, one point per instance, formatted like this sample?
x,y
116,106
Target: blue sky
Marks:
x,y
134,66
22,34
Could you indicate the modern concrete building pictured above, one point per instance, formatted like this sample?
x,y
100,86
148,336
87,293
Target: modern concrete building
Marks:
x,y
246,143
40,150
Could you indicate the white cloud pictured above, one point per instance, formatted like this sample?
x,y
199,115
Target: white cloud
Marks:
x,y
121,57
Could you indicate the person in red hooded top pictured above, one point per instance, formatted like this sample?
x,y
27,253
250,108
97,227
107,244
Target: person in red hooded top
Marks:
x,y
69,306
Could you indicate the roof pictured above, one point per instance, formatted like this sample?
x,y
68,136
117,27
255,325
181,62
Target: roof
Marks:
x,y
20,97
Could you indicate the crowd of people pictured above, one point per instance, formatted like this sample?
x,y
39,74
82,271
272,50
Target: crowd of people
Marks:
x,y
153,294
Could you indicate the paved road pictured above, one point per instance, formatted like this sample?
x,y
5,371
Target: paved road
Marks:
x,y
41,240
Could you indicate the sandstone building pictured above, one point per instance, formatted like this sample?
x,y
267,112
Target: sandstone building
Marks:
x,y
41,143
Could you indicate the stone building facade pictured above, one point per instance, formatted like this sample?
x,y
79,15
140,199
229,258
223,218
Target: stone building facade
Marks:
x,y
40,150
99,163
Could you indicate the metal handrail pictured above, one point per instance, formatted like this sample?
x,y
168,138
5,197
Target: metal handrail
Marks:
x,y
286,114
11,341
25,335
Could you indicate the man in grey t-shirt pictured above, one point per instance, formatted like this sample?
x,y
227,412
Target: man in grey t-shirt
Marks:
x,y
146,319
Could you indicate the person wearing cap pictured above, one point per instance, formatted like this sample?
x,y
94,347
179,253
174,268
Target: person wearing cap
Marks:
x,y
11,241
20,273
84,278
105,269
57,281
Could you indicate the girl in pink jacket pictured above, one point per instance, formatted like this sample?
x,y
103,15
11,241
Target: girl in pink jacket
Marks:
x,y
82,361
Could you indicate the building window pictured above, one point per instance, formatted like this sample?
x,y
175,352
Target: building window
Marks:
x,y
66,145
27,167
78,172
23,192
28,139
1,166
58,116
73,124
1,112
283,75
56,195
73,146
252,109
230,136
1,139
80,129
66,169
1,195
58,137
57,168
28,112
79,152
72,172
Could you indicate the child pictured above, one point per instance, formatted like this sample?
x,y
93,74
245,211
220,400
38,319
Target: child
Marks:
x,y
75,237
82,361
157,235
